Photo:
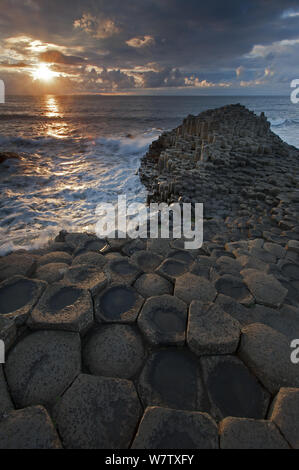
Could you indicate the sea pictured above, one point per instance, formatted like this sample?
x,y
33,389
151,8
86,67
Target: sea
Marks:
x,y
78,151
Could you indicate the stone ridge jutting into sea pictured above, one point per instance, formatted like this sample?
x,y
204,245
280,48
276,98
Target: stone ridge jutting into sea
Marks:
x,y
141,344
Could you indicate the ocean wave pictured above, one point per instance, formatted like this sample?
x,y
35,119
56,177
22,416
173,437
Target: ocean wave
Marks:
x,y
284,122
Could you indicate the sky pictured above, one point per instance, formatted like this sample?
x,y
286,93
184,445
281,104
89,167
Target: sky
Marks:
x,y
149,46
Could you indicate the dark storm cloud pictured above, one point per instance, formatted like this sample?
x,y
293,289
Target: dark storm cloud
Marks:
x,y
161,43
57,57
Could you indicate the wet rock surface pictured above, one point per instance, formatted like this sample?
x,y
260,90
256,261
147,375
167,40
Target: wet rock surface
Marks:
x,y
203,335
163,428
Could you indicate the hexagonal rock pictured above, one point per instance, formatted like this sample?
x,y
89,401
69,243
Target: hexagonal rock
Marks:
x,y
18,296
232,389
17,264
163,428
191,287
86,277
80,242
149,285
8,332
265,288
52,272
289,269
172,268
163,320
293,245
119,304
55,257
172,378
226,265
98,413
147,261
5,400
41,367
122,270
114,351
211,330
275,249
241,313
285,414
243,434
92,244
263,255
234,287
134,246
182,255
159,245
63,307
30,428
268,354
90,258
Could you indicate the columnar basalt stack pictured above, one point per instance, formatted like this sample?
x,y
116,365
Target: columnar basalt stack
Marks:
x,y
223,158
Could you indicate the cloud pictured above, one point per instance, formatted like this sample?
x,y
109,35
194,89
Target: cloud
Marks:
x,y
197,83
192,45
98,27
141,42
290,14
240,71
279,47
56,57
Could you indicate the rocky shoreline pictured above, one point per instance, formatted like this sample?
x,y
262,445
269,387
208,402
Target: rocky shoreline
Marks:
x,y
142,344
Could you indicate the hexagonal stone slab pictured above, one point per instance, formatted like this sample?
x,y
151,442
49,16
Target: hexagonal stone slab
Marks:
x,y
122,270
172,378
41,367
92,244
30,428
243,434
234,287
63,307
163,320
147,261
86,277
52,272
172,268
268,354
5,400
211,330
17,264
182,255
162,428
150,285
289,269
119,303
18,296
90,258
293,245
232,389
191,287
226,265
285,414
114,351
265,288
241,313
55,257
161,246
8,332
98,413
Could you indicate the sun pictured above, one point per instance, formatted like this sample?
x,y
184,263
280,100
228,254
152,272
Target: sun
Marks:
x,y
44,73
